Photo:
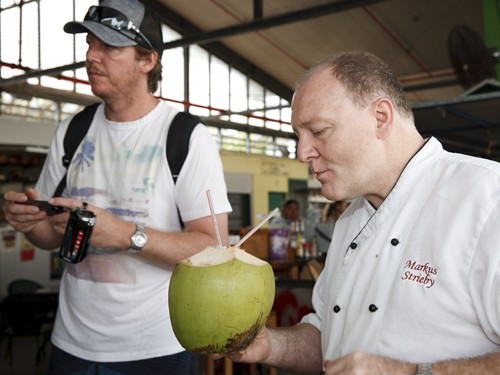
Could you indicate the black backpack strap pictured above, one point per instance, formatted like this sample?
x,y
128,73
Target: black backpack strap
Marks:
x,y
178,141
77,128
178,137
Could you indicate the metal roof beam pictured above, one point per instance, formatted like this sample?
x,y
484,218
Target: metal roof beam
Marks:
x,y
269,22
200,37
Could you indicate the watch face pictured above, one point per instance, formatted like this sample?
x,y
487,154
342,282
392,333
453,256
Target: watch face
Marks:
x,y
140,240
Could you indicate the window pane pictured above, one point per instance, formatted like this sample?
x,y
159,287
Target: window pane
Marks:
x,y
56,45
286,117
8,3
272,102
198,76
238,95
9,36
259,144
219,84
256,101
30,36
256,119
233,140
172,85
255,95
286,147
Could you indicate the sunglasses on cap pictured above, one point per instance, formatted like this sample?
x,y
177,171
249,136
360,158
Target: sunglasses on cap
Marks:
x,y
119,22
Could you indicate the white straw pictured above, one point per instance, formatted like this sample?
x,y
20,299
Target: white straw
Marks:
x,y
254,229
216,225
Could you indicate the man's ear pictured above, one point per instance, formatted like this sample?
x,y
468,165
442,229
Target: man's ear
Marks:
x,y
384,115
149,61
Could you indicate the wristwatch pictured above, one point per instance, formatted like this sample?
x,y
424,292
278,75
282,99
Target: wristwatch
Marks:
x,y
424,369
138,240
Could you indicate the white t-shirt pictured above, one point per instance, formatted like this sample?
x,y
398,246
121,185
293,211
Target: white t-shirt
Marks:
x,y
113,305
418,279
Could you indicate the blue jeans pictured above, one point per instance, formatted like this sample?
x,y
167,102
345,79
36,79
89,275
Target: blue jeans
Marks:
x,y
62,363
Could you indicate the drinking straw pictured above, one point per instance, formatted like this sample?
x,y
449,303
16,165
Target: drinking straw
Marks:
x,y
216,225
254,229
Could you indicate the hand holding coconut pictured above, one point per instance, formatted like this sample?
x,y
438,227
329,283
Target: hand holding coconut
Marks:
x,y
220,298
297,349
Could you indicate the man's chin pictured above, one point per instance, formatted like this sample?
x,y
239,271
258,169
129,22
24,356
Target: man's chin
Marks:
x,y
96,92
327,192
332,194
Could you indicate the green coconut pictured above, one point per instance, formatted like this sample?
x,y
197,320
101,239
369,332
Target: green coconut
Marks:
x,y
219,299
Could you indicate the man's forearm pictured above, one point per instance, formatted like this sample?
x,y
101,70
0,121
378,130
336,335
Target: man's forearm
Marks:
x,y
296,348
484,365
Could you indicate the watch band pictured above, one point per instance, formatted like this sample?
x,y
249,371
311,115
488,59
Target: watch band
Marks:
x,y
424,369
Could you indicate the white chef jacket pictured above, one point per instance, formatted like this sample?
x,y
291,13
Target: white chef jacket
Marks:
x,y
417,279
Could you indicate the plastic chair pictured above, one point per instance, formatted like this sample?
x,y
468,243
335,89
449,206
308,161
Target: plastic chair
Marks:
x,y
23,286
28,315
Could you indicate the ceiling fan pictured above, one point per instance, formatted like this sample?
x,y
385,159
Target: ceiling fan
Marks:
x,y
471,60
474,65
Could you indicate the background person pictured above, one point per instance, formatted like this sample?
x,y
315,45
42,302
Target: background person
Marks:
x,y
333,211
412,274
290,212
113,310
323,231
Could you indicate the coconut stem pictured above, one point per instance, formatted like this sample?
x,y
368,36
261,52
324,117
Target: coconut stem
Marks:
x,y
216,225
254,229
